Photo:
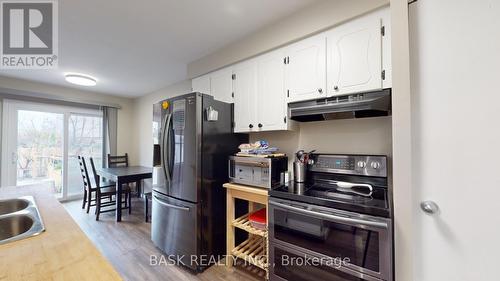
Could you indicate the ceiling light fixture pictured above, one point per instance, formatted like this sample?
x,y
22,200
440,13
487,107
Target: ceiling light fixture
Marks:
x,y
80,79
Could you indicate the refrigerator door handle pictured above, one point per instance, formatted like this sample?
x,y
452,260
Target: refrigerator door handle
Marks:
x,y
168,205
170,148
164,147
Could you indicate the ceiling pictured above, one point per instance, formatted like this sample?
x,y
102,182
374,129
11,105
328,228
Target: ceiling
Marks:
x,y
136,47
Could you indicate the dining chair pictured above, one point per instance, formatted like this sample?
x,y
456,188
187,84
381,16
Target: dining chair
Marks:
x,y
148,197
117,160
86,187
89,189
122,161
107,192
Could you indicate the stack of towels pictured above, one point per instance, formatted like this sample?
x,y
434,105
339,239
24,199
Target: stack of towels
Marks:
x,y
257,148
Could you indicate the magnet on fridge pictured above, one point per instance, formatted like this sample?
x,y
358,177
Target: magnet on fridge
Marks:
x,y
211,114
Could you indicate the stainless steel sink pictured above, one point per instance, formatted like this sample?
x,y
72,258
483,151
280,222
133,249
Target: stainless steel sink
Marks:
x,y
19,219
12,226
13,205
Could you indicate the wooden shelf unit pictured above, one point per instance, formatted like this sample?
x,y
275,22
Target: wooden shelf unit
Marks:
x,y
254,250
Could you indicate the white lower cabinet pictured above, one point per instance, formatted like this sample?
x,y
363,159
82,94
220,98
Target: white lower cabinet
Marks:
x,y
355,56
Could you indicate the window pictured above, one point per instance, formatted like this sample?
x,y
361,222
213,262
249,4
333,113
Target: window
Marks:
x,y
42,142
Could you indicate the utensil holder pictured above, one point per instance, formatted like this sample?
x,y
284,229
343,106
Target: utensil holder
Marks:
x,y
299,171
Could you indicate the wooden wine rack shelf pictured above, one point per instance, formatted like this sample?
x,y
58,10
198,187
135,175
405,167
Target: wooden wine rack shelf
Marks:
x,y
253,250
243,223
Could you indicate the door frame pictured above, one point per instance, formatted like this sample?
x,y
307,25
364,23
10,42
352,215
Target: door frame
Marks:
x,y
404,205
9,132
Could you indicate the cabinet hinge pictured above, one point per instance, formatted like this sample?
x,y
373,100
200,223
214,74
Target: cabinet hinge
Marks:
x,y
287,93
383,74
284,119
233,76
382,30
232,94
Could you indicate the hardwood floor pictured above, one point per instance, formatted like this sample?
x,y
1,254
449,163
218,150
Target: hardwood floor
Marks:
x,y
128,247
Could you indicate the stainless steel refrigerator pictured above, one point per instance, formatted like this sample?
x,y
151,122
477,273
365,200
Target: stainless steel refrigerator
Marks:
x,y
192,137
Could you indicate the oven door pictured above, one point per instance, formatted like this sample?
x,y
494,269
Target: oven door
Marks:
x,y
294,264
363,243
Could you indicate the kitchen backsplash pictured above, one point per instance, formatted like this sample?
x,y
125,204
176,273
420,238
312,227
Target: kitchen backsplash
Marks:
x,y
356,136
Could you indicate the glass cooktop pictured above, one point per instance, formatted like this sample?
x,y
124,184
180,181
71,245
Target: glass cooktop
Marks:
x,y
357,198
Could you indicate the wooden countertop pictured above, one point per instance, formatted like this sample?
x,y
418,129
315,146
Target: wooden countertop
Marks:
x,y
246,188
62,252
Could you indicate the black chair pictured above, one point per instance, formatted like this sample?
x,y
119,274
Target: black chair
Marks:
x,y
117,160
107,192
122,161
147,198
89,198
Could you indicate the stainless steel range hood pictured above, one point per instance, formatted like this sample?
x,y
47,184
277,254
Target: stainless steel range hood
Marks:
x,y
371,104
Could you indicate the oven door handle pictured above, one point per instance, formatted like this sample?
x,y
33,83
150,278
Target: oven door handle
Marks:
x,y
338,219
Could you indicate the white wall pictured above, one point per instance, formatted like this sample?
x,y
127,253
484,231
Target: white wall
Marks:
x,y
351,136
312,19
125,131
142,138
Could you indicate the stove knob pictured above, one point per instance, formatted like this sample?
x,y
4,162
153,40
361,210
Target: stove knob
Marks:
x,y
361,164
375,165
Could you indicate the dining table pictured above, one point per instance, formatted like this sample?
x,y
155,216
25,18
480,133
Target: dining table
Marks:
x,y
123,175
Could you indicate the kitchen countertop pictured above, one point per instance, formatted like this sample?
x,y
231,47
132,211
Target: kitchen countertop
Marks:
x,y
61,252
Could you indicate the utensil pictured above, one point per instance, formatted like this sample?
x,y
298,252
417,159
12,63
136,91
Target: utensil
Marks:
x,y
299,154
348,187
308,155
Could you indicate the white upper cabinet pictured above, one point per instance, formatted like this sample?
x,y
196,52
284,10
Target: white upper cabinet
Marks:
x,y
349,58
355,56
271,103
221,85
386,47
245,96
201,84
305,74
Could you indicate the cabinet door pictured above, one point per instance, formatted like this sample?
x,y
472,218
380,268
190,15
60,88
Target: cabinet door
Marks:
x,y
271,103
245,96
221,85
201,84
355,56
306,69
385,14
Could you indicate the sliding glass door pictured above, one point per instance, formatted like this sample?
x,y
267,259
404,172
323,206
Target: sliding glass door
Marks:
x,y
85,138
41,144
39,150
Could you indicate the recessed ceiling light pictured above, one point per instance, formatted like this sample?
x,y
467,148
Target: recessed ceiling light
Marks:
x,y
81,79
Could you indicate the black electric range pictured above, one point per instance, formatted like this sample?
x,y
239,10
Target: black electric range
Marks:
x,y
342,211
347,182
